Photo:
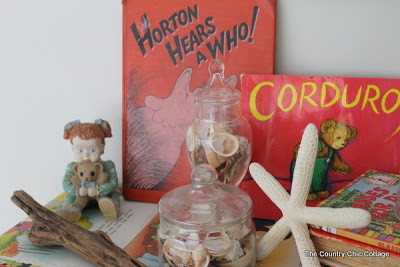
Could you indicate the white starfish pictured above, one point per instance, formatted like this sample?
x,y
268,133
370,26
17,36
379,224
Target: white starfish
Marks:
x,y
296,214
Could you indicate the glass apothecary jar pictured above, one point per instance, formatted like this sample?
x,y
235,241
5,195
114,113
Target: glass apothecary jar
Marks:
x,y
207,223
219,135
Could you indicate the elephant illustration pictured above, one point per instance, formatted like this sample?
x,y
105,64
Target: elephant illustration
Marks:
x,y
156,133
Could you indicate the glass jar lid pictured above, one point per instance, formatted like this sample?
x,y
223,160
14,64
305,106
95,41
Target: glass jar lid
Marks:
x,y
217,91
205,204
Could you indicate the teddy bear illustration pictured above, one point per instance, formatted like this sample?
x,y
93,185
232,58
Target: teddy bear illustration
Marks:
x,y
87,177
334,135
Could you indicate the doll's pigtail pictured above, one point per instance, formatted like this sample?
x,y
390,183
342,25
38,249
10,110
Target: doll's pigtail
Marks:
x,y
68,127
105,126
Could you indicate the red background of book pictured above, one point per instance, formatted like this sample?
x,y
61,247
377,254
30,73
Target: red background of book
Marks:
x,y
256,57
275,139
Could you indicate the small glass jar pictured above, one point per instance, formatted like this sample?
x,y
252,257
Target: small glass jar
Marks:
x,y
207,223
219,135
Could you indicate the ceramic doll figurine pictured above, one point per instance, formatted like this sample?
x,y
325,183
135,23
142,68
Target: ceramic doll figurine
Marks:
x,y
88,143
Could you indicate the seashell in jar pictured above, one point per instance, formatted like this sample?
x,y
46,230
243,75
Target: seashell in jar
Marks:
x,y
166,232
247,260
201,257
218,128
192,240
237,232
234,163
213,158
217,244
234,253
224,144
176,253
201,129
191,139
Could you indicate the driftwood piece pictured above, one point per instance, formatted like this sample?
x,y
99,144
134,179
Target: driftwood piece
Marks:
x,y
51,229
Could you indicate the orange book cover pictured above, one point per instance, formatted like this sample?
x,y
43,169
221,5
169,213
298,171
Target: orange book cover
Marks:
x,y
167,46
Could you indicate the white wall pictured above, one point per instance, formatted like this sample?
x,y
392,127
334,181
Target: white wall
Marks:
x,y
62,60
351,38
59,61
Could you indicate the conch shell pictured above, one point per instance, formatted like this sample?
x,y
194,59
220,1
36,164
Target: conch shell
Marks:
x,y
213,158
234,162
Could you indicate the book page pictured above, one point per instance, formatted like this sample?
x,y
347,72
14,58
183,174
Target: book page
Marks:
x,y
15,247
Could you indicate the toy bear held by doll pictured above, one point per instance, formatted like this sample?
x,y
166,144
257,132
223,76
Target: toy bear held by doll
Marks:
x,y
89,179
334,135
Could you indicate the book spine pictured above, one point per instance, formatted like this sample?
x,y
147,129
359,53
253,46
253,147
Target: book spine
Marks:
x,y
366,236
351,242
380,240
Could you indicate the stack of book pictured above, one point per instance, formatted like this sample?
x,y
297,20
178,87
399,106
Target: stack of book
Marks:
x,y
377,243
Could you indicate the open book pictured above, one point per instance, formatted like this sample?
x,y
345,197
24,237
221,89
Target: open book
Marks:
x,y
15,247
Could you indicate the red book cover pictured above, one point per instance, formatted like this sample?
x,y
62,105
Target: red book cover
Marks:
x,y
167,48
358,121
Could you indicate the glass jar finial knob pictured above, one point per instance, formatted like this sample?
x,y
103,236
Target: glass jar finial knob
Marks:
x,y
216,66
203,175
216,69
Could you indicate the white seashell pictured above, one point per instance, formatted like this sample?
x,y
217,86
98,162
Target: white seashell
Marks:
x,y
219,128
224,144
165,233
175,252
182,259
192,240
201,257
217,244
234,253
234,231
202,129
247,260
191,139
172,243
238,232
